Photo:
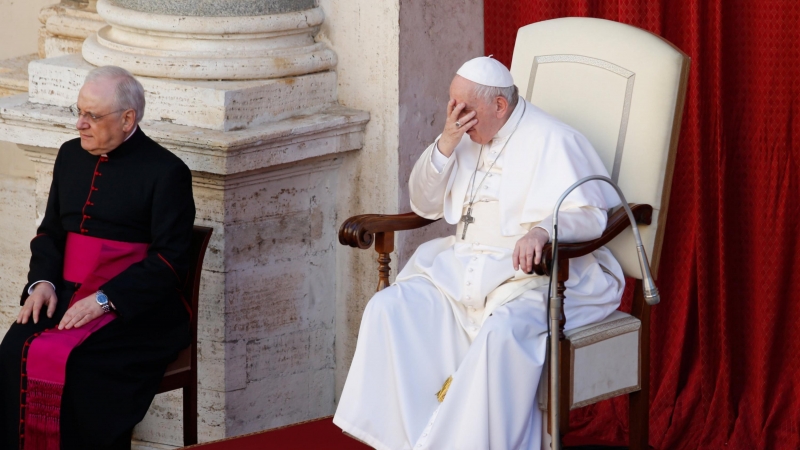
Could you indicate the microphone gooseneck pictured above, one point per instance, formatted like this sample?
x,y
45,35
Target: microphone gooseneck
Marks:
x,y
651,296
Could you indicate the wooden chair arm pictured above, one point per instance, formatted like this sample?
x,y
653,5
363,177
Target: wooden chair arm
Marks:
x,y
359,231
643,214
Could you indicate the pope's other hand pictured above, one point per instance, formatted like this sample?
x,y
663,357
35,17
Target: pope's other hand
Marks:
x,y
455,127
528,250
80,313
43,294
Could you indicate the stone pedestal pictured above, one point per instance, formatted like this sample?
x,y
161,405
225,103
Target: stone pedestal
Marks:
x,y
265,148
266,354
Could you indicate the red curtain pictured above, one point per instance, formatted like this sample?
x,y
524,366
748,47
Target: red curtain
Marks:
x,y
726,336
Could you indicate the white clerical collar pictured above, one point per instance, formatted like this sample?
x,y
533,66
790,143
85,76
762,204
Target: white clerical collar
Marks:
x,y
511,123
135,127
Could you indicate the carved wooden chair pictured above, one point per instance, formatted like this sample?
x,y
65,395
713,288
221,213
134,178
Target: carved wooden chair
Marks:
x,y
182,373
624,89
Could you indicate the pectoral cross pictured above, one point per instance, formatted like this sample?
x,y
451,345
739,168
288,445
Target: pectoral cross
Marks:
x,y
467,219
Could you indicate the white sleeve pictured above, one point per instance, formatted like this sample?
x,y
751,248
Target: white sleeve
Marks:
x,y
427,185
577,224
30,289
438,159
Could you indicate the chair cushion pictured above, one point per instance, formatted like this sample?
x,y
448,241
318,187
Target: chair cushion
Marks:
x,y
604,360
183,363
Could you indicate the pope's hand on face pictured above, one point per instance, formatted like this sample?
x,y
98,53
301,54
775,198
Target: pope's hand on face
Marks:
x,y
81,312
453,132
528,250
43,294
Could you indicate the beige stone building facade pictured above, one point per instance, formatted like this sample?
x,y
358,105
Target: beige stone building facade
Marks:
x,y
292,115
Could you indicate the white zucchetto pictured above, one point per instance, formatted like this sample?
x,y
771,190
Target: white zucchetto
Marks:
x,y
487,71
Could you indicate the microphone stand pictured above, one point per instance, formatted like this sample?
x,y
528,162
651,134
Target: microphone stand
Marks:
x,y
651,296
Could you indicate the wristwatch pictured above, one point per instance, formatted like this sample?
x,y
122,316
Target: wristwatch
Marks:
x,y
102,300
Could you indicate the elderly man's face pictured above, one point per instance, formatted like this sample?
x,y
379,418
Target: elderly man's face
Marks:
x,y
491,116
109,130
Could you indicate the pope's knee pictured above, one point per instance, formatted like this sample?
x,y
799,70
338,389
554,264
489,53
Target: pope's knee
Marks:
x,y
497,329
503,328
383,303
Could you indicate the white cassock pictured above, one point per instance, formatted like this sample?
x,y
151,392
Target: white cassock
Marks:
x,y
459,309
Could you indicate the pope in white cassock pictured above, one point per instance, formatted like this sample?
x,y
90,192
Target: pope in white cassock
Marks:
x,y
465,308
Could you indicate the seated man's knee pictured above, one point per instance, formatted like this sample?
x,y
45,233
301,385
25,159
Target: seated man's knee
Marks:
x,y
12,342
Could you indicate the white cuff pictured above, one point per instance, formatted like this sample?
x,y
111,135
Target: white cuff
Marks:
x,y
549,239
438,160
30,289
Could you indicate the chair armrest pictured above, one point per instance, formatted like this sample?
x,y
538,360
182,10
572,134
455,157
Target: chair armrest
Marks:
x,y
359,231
643,214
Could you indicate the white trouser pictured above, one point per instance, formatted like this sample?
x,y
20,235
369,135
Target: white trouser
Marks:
x,y
410,343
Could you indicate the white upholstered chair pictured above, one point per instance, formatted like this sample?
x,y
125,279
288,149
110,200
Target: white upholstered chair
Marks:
x,y
624,89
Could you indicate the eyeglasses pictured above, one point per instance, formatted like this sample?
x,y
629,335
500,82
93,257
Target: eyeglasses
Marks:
x,y
88,115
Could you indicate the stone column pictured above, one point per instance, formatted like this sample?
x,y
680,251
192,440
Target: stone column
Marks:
x,y
244,95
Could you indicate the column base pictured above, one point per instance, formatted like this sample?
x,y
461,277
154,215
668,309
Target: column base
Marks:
x,y
209,48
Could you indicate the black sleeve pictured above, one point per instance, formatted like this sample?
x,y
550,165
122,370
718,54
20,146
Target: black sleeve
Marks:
x,y
156,282
47,247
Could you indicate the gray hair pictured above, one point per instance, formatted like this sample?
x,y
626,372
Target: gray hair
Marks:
x,y
129,92
489,93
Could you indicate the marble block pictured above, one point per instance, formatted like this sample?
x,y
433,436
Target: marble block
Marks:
x,y
333,130
213,105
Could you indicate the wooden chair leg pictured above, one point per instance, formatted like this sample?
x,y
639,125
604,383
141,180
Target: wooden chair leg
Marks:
x,y
190,414
639,402
639,420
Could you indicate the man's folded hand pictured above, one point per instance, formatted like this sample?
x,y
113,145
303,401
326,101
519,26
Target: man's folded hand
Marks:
x,y
43,294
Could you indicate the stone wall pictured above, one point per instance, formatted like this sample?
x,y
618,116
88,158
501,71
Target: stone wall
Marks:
x,y
365,36
19,26
436,37
396,60
17,227
19,31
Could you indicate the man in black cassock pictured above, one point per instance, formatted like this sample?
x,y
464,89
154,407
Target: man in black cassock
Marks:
x,y
113,185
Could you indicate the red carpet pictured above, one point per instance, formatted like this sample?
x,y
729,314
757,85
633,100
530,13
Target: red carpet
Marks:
x,y
314,434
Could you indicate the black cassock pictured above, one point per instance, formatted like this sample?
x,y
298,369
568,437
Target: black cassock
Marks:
x,y
140,193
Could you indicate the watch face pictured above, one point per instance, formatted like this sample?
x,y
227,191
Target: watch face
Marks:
x,y
102,298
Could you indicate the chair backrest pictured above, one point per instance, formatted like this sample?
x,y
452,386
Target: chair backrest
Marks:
x,y
197,252
624,89
187,358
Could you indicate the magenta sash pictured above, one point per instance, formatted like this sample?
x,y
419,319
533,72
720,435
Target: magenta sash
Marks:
x,y
91,262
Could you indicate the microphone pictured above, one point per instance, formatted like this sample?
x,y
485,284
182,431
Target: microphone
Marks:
x,y
651,296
